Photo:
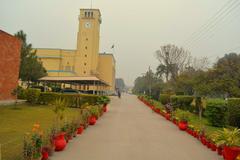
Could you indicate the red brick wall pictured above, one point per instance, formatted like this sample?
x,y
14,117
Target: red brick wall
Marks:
x,y
10,48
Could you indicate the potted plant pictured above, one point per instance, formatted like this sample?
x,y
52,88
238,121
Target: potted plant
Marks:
x,y
94,114
32,148
168,116
183,119
230,139
80,129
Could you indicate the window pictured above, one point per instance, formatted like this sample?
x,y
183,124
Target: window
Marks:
x,y
86,39
85,64
84,72
88,14
85,55
92,14
85,47
85,14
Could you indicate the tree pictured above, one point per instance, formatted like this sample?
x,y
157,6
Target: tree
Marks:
x,y
172,61
30,68
149,83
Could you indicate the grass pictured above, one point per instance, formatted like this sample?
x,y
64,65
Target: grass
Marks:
x,y
15,121
195,121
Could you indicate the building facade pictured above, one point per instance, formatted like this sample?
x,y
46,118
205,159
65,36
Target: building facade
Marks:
x,y
85,61
10,48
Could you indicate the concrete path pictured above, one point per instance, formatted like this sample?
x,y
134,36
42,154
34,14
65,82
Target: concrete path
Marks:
x,y
131,131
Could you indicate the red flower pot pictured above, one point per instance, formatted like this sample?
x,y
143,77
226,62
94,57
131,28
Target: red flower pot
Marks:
x,y
60,142
220,150
45,155
203,140
80,130
213,147
182,125
92,120
168,116
105,108
230,153
208,144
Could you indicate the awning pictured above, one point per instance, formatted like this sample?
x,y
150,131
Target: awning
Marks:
x,y
71,79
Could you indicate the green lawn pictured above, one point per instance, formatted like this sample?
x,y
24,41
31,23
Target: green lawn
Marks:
x,y
16,121
195,121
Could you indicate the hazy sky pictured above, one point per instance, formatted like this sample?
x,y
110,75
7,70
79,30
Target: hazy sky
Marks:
x,y
136,27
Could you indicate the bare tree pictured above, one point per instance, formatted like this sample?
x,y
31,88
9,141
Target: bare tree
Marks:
x,y
173,60
201,63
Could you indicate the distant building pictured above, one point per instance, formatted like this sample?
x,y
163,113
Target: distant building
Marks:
x,y
10,48
85,68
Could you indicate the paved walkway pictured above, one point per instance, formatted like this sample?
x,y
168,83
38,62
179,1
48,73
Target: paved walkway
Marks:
x,y
131,131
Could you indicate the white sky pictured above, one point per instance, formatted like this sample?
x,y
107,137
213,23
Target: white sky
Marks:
x,y
136,27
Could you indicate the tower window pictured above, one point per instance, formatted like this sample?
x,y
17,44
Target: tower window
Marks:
x,y
85,14
92,14
85,55
84,72
86,47
88,14
86,39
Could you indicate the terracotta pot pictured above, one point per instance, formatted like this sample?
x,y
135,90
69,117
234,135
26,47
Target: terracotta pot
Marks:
x,y
168,116
45,155
203,140
105,108
208,144
80,130
92,120
213,147
230,153
220,150
182,125
60,142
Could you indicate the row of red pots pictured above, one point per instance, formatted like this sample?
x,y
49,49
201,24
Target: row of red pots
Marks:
x,y
60,141
229,153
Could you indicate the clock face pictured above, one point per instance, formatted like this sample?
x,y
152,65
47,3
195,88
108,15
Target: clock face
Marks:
x,y
88,25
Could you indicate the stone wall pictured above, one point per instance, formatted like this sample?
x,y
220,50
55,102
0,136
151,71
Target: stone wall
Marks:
x,y
10,48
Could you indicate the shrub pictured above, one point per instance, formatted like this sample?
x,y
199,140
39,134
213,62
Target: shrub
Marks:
x,y
234,112
182,102
164,98
32,95
182,115
48,97
73,100
20,92
216,112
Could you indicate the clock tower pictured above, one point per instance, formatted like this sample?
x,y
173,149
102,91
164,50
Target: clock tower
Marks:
x,y
86,60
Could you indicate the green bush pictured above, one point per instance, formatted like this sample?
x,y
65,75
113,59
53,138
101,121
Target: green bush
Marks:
x,y
234,112
32,95
73,100
216,112
164,98
47,98
182,102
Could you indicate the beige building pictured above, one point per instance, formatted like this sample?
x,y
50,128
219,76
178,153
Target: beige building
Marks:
x,y
84,68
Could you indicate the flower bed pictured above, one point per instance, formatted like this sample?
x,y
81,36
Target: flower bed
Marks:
x,y
61,133
215,142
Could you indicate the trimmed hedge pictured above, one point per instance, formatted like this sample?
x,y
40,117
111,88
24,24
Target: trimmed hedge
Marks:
x,y
32,95
164,98
73,100
182,102
216,112
234,112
